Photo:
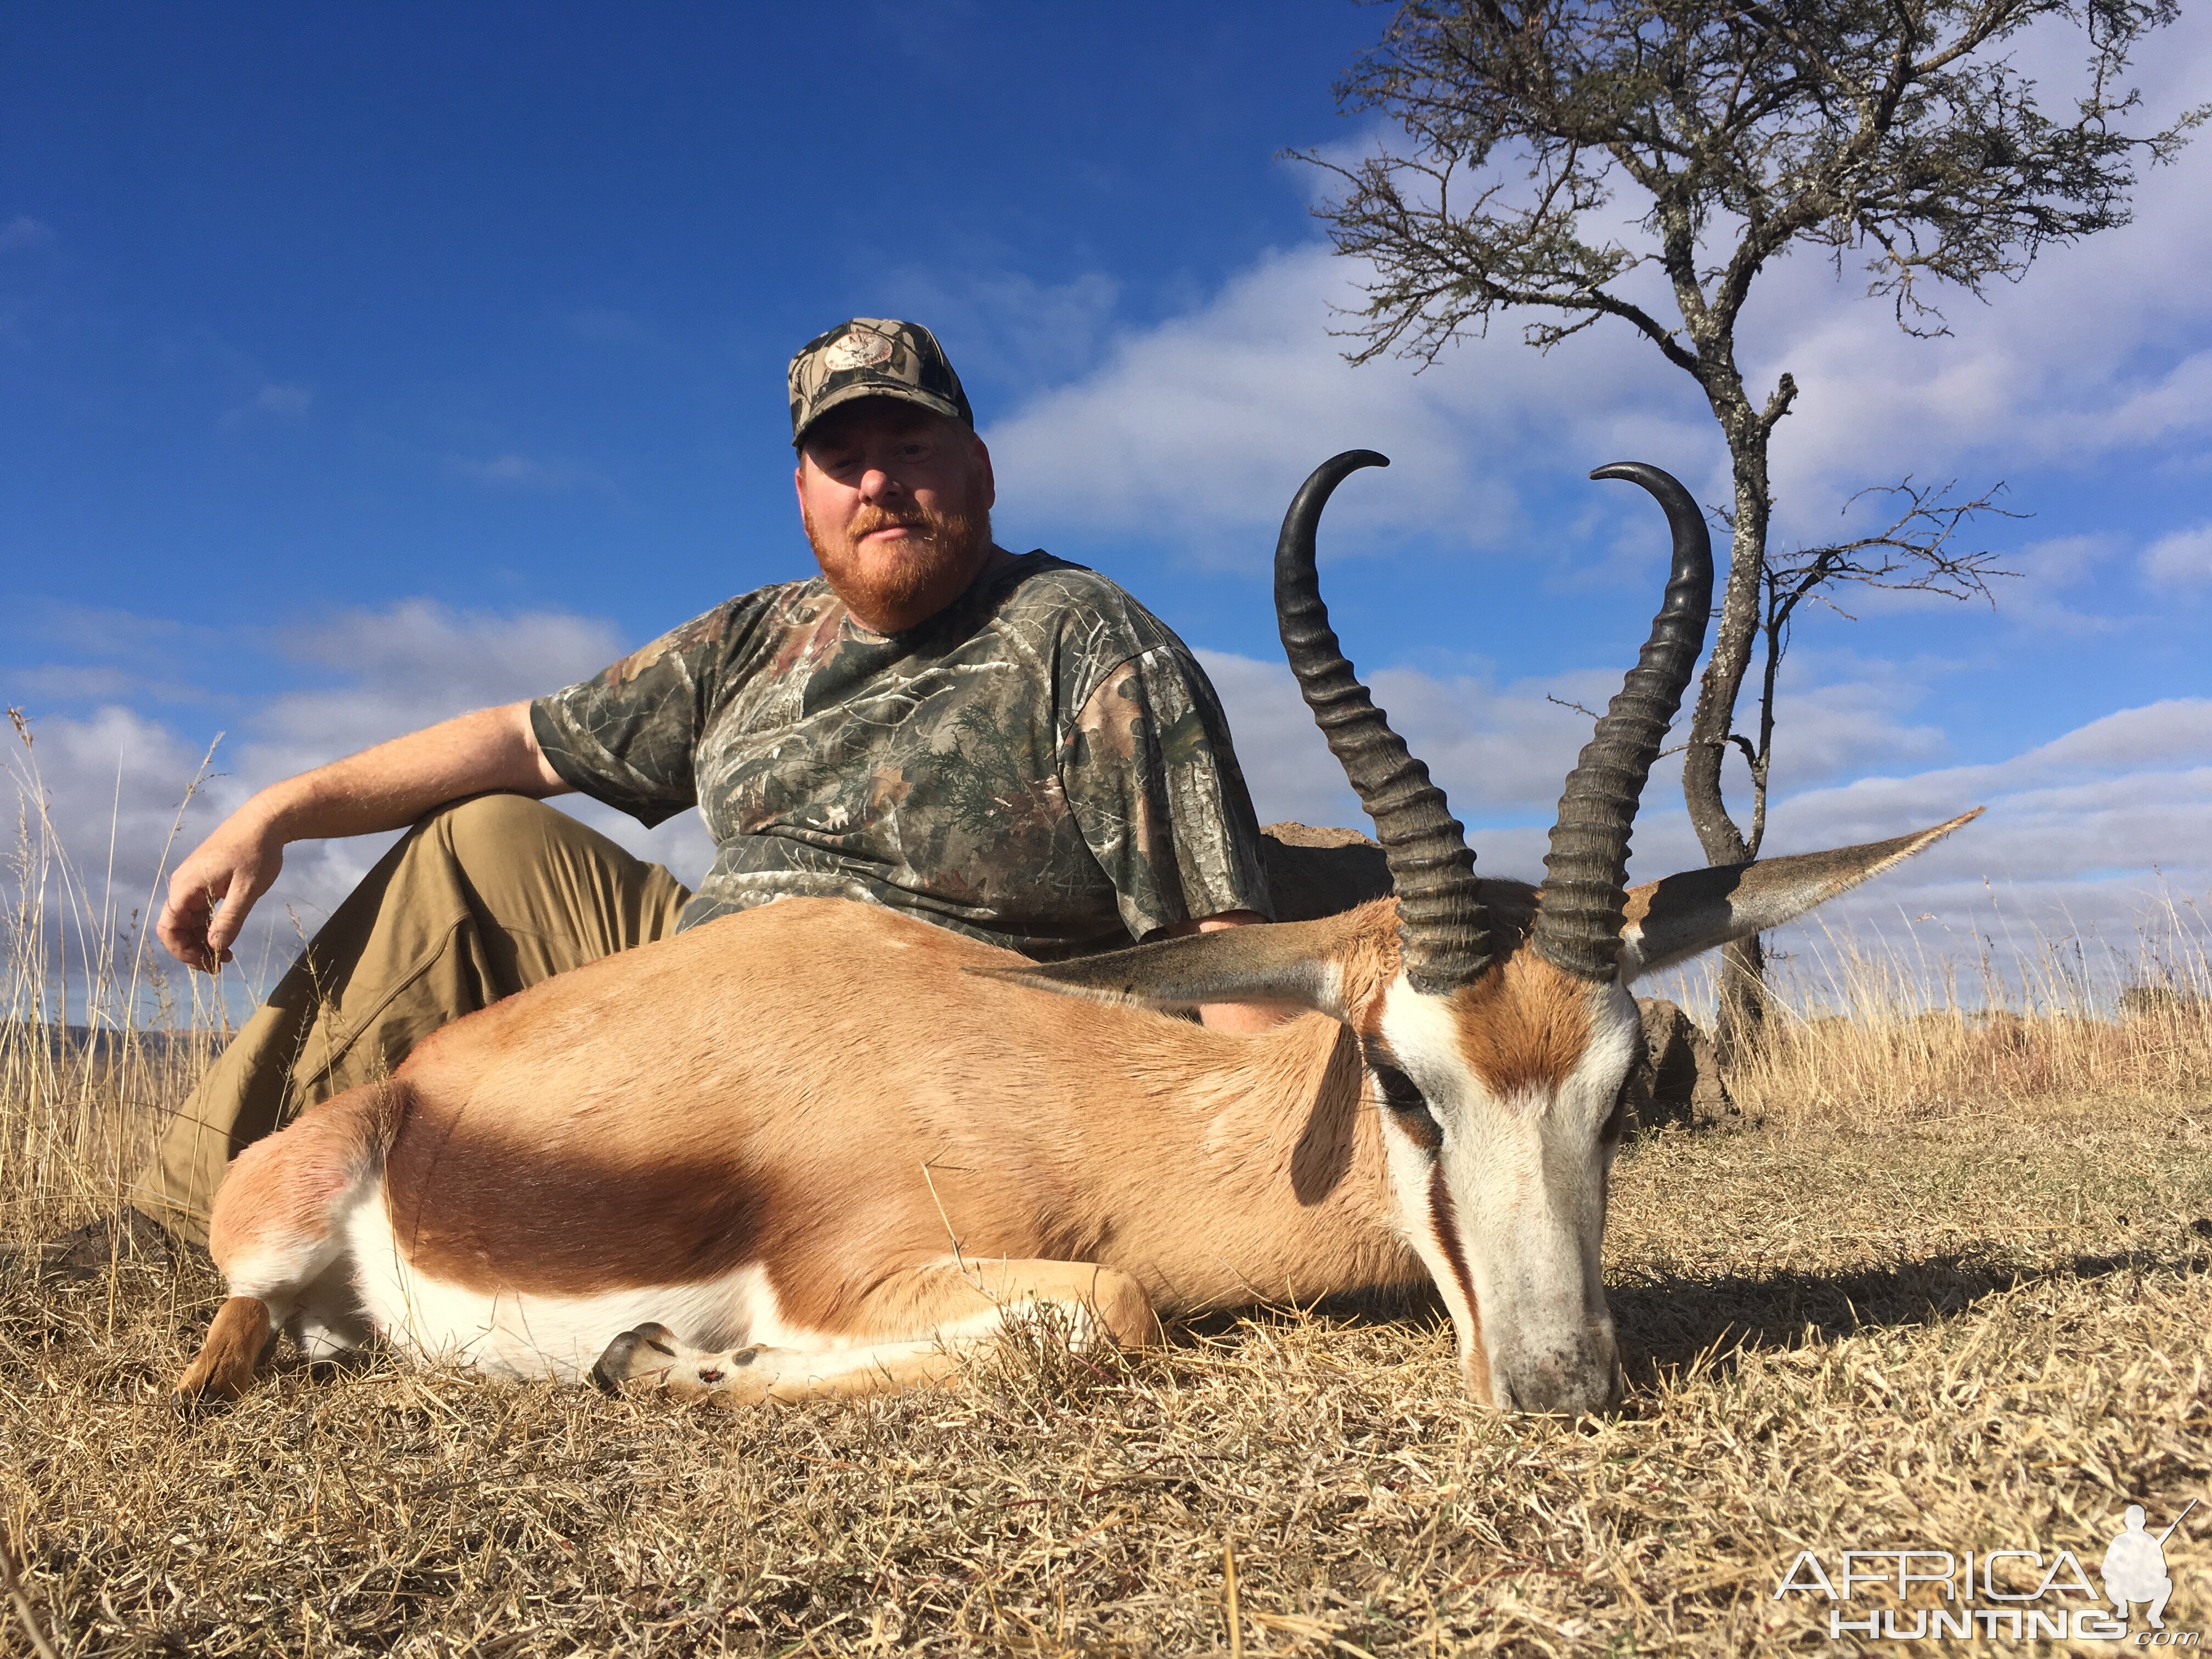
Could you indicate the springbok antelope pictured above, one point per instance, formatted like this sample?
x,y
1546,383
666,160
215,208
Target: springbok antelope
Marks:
x,y
821,1148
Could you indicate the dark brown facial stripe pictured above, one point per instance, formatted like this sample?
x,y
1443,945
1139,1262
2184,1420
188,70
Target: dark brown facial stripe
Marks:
x,y
1446,1221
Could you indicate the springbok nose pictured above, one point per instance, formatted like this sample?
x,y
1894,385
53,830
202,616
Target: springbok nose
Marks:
x,y
1573,1380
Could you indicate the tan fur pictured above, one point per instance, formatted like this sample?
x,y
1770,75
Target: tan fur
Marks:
x,y
281,1188
1524,1025
915,1303
1366,956
543,1126
223,1368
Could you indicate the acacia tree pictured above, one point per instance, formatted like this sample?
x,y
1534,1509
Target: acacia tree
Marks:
x,y
1897,130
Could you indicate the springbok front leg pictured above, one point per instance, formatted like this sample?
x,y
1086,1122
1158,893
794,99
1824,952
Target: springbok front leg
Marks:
x,y
912,1330
278,1234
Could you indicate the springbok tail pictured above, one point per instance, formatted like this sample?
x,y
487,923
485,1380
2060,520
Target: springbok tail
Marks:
x,y
279,1224
224,1369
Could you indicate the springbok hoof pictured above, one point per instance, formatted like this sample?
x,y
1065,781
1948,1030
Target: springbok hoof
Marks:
x,y
640,1355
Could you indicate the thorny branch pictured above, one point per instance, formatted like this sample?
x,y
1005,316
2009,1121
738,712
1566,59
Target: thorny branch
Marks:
x,y
1914,553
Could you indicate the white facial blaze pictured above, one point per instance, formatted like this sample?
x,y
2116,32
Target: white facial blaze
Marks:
x,y
1523,1177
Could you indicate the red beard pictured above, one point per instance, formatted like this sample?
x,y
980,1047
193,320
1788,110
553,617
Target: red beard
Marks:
x,y
896,585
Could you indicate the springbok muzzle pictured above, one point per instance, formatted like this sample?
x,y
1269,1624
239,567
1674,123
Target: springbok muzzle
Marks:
x,y
1576,1374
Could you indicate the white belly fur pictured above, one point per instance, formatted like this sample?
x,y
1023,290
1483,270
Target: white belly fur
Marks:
x,y
507,1334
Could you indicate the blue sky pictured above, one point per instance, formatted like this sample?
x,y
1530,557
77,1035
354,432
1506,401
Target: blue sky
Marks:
x,y
360,364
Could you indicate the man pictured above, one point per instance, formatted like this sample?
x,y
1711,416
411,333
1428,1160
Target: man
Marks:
x,y
2135,1568
1010,747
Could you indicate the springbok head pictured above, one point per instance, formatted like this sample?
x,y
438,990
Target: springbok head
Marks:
x,y
1497,1031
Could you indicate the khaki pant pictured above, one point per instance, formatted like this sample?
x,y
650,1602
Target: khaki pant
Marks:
x,y
479,900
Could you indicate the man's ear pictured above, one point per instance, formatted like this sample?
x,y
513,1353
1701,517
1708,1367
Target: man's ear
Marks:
x,y
1671,921
988,484
1290,964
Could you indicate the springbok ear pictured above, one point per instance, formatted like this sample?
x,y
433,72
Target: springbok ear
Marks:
x,y
1671,921
1288,964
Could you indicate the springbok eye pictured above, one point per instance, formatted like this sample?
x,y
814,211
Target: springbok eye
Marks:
x,y
1408,1106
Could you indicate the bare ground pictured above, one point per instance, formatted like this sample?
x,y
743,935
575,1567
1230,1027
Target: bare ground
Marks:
x,y
1970,1329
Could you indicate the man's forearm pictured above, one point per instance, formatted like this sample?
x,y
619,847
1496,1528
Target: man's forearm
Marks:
x,y
385,788
393,784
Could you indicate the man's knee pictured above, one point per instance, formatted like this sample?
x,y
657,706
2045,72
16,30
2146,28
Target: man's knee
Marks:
x,y
507,848
522,864
494,826
507,855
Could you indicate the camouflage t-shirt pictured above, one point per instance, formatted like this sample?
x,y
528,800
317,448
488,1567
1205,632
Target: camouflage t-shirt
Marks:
x,y
1042,765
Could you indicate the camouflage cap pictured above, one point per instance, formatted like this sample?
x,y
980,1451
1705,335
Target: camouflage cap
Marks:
x,y
874,357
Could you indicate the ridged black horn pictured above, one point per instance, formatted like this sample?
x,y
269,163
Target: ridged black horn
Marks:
x,y
1442,935
1578,923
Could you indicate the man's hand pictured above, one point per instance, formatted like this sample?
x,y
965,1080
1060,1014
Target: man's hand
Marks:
x,y
213,889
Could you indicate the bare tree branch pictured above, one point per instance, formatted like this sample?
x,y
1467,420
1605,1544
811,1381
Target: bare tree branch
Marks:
x,y
1916,552
1588,714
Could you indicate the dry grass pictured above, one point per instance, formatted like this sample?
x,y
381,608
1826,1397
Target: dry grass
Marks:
x,y
1864,1034
1931,1293
1988,1330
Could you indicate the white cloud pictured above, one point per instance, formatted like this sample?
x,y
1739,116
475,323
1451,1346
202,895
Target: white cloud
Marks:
x,y
1501,753
275,400
114,779
2101,346
417,661
290,401
513,471
2083,833
24,231
2053,571
1008,327
96,683
2183,557
1195,431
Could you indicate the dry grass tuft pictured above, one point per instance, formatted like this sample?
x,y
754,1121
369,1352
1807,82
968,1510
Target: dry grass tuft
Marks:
x,y
1864,1035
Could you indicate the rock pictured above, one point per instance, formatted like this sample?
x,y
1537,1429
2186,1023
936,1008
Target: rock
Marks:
x,y
1676,1080
1315,873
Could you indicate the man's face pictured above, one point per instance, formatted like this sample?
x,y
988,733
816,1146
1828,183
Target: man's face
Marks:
x,y
897,501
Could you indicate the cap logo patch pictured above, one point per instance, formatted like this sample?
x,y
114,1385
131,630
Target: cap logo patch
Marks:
x,y
861,349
